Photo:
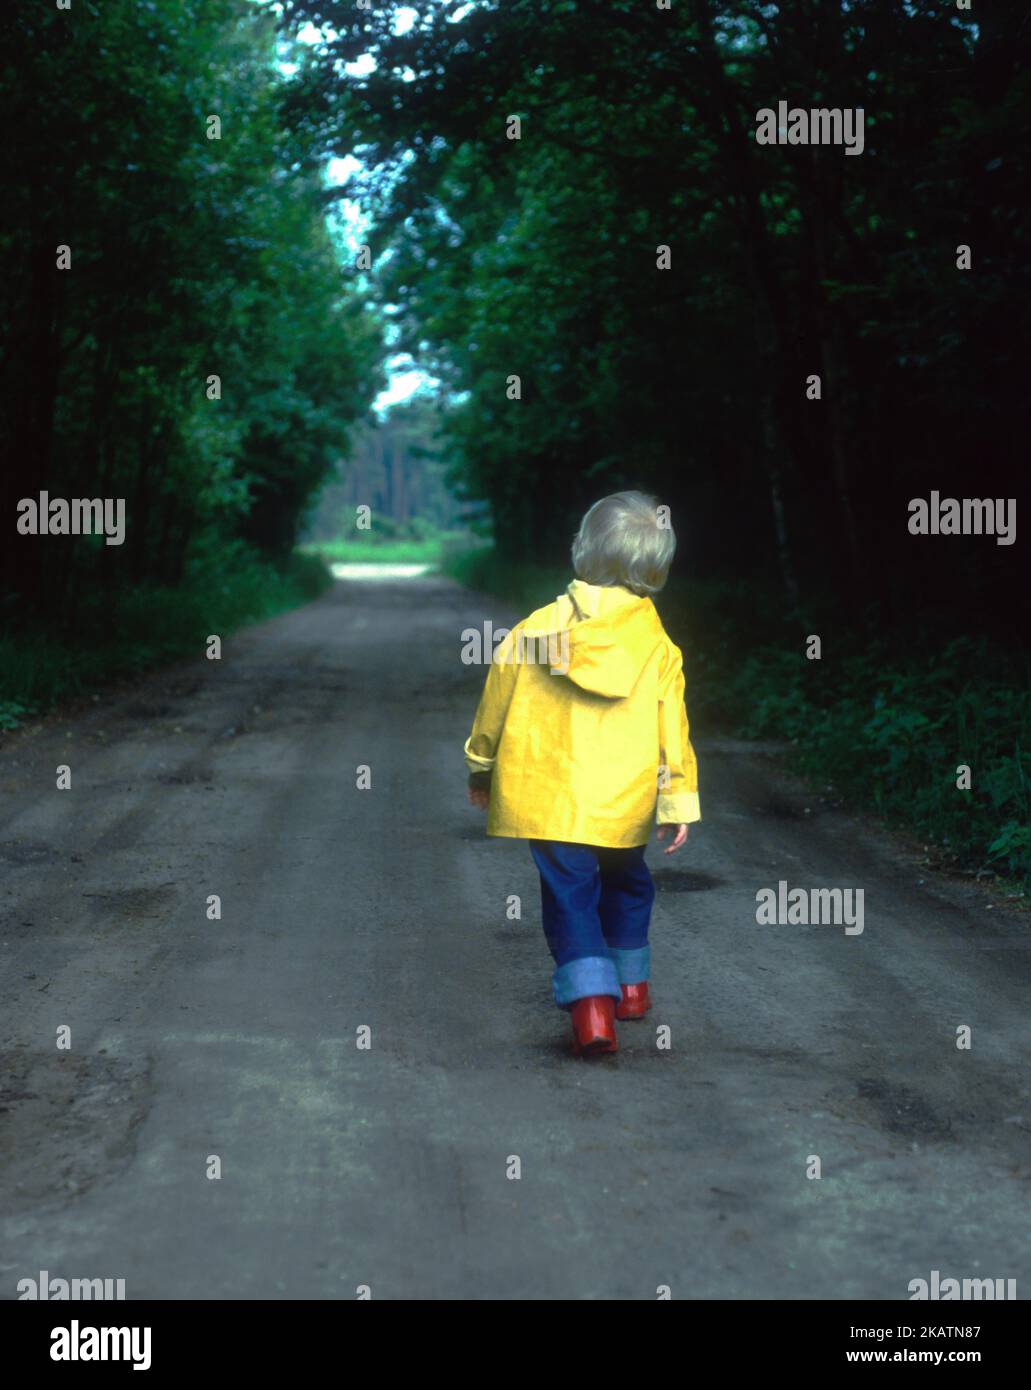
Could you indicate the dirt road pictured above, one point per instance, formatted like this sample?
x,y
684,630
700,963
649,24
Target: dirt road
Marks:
x,y
384,909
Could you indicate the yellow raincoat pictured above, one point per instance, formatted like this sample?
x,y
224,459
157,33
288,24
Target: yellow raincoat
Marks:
x,y
582,724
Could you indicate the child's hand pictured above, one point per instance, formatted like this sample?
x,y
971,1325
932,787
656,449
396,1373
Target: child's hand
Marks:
x,y
479,790
678,839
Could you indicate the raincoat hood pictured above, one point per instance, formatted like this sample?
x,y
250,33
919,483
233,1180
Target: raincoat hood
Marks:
x,y
604,636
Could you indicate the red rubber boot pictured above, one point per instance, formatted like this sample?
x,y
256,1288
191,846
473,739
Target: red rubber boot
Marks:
x,y
594,1025
636,1001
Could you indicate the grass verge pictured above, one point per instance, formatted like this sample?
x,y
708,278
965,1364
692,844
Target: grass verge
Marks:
x,y
130,631
425,550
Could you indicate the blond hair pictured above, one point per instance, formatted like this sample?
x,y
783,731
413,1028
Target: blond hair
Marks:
x,y
624,540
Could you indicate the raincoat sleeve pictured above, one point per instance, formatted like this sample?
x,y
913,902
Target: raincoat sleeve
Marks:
x,y
678,782
481,747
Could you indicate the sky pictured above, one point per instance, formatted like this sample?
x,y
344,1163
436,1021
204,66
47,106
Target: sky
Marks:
x,y
349,223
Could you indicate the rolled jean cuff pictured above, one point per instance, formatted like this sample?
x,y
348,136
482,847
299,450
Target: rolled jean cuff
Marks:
x,y
579,979
632,967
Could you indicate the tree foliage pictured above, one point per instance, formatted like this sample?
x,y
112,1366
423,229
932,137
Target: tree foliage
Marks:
x,y
537,257
191,258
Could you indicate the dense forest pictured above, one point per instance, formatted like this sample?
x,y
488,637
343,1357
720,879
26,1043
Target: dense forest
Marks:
x,y
540,257
178,329
394,467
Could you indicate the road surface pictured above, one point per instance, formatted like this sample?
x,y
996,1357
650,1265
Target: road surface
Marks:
x,y
381,914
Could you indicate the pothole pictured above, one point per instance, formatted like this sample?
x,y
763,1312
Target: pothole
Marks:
x,y
67,1121
894,1109
682,881
27,852
135,904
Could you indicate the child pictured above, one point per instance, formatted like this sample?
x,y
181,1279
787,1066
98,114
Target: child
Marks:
x,y
579,742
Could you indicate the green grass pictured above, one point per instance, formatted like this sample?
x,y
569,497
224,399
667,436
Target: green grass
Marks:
x,y
885,725
427,550
133,631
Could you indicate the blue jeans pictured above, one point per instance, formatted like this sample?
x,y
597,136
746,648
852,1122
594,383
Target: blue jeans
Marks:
x,y
596,904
